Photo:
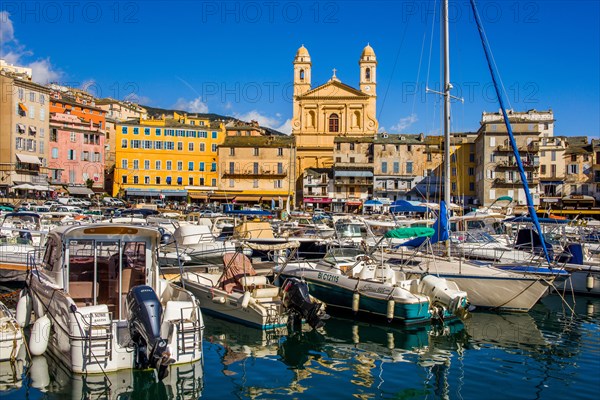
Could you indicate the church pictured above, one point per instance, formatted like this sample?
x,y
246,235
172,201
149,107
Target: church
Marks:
x,y
331,110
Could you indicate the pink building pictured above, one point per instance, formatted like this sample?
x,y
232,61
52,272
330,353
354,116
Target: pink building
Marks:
x,y
76,151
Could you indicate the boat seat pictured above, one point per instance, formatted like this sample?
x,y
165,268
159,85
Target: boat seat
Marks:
x,y
265,293
82,292
255,280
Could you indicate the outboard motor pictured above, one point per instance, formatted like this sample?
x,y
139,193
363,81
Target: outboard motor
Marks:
x,y
145,315
298,303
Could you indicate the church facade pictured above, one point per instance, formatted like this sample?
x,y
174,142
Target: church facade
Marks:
x,y
331,110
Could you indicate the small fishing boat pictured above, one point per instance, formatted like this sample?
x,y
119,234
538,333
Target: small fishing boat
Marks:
x,y
101,304
237,293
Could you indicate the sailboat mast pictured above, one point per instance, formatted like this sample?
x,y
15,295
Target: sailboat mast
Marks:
x,y
447,87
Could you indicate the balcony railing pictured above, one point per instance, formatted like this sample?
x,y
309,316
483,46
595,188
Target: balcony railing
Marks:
x,y
353,164
357,182
513,164
503,181
531,148
255,174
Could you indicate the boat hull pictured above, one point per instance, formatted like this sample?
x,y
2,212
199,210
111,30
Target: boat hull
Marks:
x,y
338,291
104,351
260,313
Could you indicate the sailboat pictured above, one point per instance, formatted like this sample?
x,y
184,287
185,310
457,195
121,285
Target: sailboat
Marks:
x,y
486,286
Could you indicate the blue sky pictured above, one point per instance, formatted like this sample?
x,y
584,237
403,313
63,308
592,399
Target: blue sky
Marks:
x,y
236,58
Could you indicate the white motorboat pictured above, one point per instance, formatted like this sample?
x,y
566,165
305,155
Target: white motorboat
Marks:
x,y
21,241
101,304
349,280
11,335
198,244
237,293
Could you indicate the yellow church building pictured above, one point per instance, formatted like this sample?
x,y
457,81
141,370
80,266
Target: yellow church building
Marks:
x,y
331,110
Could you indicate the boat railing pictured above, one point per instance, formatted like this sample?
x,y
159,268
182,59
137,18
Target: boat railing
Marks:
x,y
197,278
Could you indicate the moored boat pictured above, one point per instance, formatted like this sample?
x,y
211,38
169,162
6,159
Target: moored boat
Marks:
x,y
101,304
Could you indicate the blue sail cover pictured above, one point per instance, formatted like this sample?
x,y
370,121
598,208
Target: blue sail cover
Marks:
x,y
400,206
440,227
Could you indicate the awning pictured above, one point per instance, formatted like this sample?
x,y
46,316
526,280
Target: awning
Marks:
x,y
32,129
320,200
354,173
79,190
22,107
26,158
141,192
246,198
21,127
197,196
174,193
353,203
551,182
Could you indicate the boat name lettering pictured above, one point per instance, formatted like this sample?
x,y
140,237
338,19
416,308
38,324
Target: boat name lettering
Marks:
x,y
328,277
375,289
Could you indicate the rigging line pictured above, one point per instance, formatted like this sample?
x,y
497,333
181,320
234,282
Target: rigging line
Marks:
x,y
418,74
431,42
387,89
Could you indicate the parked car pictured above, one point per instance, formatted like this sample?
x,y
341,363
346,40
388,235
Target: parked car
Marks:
x,y
26,206
112,202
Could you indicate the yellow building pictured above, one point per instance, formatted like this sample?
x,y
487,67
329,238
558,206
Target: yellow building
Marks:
x,y
334,109
257,169
168,157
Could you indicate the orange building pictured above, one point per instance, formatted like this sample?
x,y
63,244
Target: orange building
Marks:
x,y
76,102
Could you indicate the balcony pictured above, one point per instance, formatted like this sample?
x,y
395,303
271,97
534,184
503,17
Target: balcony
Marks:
x,y
530,148
357,182
515,182
354,165
255,175
527,165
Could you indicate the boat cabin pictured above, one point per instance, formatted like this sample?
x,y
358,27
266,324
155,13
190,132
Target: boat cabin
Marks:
x,y
100,264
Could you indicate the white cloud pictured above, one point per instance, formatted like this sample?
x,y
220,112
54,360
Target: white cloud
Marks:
x,y
43,72
14,53
7,31
194,106
264,120
286,127
404,123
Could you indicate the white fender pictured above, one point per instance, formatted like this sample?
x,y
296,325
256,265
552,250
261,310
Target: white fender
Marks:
x,y
40,336
40,378
355,301
24,306
391,308
246,299
218,300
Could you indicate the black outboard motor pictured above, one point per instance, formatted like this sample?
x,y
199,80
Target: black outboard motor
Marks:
x,y
145,315
299,304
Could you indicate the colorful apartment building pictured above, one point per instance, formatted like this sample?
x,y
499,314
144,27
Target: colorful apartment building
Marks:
x,y
257,169
24,128
167,157
76,152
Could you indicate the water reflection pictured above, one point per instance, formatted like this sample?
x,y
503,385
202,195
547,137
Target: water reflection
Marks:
x,y
49,375
541,354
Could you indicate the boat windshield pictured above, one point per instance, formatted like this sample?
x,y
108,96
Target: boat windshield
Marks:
x,y
351,230
103,272
341,254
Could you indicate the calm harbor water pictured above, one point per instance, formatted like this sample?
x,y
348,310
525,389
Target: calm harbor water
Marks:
x,y
548,353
